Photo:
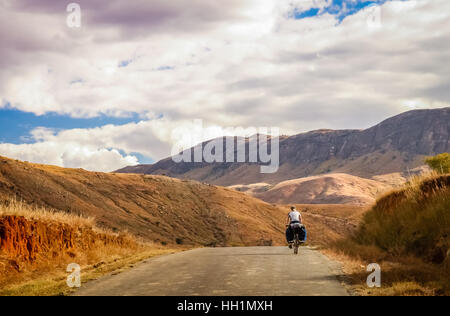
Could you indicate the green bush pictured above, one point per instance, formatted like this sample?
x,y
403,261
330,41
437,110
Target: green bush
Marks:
x,y
439,163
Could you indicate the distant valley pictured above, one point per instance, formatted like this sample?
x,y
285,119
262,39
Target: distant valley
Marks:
x,y
335,188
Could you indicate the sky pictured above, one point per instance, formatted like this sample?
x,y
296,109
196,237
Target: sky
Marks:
x,y
129,83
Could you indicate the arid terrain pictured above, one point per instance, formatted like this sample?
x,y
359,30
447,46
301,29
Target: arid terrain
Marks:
x,y
407,233
333,188
326,189
155,208
51,215
329,166
37,244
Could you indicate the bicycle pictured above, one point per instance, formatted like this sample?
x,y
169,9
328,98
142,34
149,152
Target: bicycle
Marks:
x,y
297,241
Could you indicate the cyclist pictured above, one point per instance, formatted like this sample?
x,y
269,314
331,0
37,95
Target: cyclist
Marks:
x,y
294,220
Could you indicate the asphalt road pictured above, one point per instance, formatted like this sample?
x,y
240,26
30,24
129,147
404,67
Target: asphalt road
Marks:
x,y
249,271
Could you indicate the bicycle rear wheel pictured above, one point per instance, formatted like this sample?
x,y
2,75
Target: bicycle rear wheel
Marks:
x,y
296,244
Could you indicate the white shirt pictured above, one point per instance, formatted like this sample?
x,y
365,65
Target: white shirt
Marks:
x,y
295,216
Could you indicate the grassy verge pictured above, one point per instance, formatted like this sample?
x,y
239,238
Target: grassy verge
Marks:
x,y
53,283
399,276
37,244
407,233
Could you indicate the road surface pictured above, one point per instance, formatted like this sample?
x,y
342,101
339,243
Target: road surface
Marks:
x,y
249,271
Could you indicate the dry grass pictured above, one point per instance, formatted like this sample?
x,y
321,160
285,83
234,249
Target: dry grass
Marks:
x,y
16,207
407,276
408,233
46,273
52,282
414,220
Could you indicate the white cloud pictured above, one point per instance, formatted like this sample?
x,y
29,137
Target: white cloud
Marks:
x,y
243,64
96,149
111,147
69,155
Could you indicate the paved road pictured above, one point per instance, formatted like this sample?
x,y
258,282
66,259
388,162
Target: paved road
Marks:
x,y
250,271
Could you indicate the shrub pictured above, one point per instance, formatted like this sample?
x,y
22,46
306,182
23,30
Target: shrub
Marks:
x,y
414,220
439,163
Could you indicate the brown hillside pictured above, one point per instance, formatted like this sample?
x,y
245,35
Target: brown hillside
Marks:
x,y
155,208
326,189
37,244
328,223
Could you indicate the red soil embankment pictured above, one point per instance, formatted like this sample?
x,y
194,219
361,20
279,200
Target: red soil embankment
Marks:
x,y
28,241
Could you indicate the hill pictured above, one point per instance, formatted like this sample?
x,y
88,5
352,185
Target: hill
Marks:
x,y
161,209
156,208
335,188
407,232
413,220
397,144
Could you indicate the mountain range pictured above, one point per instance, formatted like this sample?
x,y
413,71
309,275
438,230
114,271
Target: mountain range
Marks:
x,y
397,144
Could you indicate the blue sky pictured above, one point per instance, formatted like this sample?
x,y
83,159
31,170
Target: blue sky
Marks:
x,y
17,125
340,8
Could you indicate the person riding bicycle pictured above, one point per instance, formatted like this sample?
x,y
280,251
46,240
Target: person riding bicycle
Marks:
x,y
294,220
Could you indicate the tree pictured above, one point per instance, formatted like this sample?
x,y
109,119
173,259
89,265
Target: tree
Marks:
x,y
439,163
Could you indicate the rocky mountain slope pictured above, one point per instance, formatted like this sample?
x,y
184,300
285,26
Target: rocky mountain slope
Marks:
x,y
395,145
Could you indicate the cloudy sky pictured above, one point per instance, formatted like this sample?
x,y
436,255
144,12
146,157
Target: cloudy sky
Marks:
x,y
127,84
